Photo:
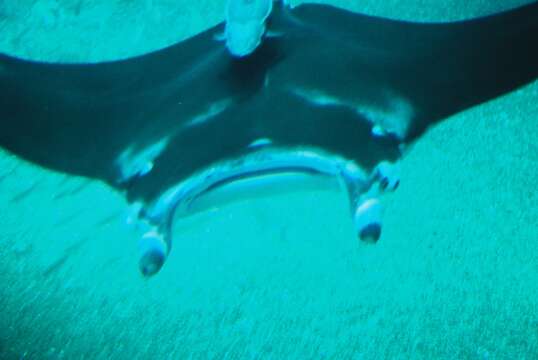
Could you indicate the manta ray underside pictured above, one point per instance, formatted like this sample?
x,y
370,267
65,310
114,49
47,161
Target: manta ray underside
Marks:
x,y
333,95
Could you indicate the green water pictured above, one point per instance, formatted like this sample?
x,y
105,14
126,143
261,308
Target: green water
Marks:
x,y
454,276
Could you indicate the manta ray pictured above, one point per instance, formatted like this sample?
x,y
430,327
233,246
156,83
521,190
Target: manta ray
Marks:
x,y
310,94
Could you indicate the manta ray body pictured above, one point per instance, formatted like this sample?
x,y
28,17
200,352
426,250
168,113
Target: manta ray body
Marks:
x,y
332,94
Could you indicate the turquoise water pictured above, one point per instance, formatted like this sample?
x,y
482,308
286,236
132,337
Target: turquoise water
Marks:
x,y
453,277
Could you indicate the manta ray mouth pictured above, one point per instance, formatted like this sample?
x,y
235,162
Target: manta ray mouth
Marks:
x,y
259,173
260,184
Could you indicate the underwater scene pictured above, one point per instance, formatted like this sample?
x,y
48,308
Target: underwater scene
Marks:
x,y
268,179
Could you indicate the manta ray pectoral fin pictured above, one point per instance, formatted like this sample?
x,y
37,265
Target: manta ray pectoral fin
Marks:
x,y
392,117
131,163
259,143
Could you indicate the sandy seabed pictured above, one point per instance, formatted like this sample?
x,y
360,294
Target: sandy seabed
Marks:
x,y
455,275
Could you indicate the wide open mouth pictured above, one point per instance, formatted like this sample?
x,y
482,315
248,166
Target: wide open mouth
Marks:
x,y
256,173
258,185
261,173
